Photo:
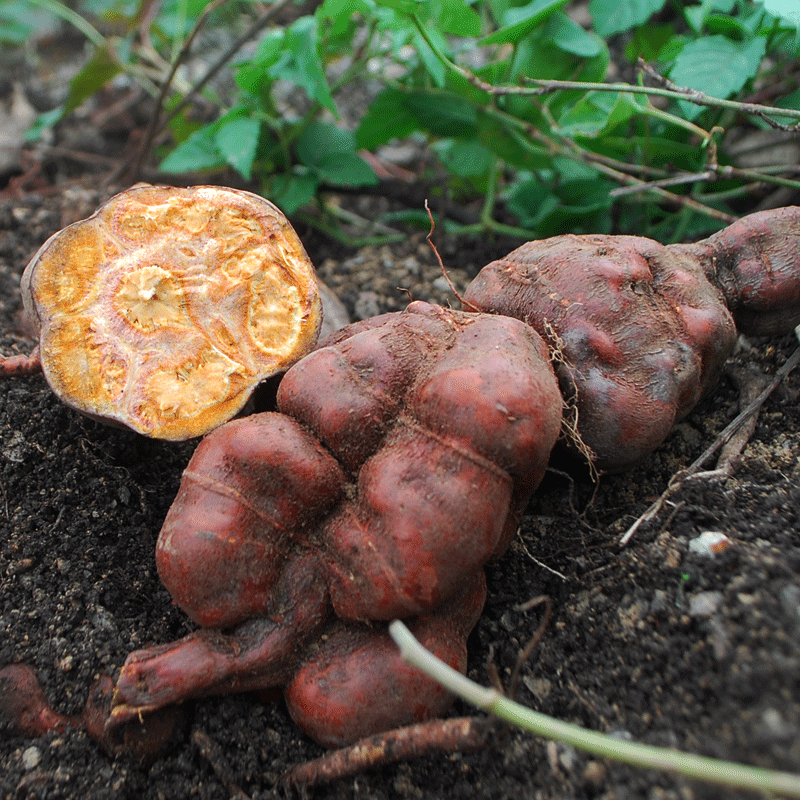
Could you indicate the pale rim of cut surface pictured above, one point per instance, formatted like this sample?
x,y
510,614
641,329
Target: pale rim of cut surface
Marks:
x,y
165,309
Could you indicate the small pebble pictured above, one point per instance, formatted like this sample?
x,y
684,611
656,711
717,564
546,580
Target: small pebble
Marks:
x,y
704,604
710,543
31,757
790,601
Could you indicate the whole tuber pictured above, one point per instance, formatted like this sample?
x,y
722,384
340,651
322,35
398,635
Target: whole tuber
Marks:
x,y
406,449
641,331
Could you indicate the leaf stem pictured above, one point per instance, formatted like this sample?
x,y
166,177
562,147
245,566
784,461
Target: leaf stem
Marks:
x,y
702,768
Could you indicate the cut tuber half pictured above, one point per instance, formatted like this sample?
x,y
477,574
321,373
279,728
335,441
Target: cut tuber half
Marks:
x,y
168,306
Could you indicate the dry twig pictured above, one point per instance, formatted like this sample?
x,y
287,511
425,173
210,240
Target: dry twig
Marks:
x,y
461,734
693,471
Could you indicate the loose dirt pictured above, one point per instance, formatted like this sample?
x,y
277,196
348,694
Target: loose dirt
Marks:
x,y
693,650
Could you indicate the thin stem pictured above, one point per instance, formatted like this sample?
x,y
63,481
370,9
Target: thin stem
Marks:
x,y
541,86
710,770
150,135
73,18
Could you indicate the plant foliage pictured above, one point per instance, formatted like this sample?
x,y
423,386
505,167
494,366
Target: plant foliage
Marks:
x,y
508,102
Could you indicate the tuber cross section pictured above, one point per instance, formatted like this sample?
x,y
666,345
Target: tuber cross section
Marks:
x,y
166,308
404,453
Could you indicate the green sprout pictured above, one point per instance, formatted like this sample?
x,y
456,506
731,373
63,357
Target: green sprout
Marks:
x,y
701,768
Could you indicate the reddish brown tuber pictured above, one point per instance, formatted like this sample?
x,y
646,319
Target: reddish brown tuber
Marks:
x,y
406,450
642,331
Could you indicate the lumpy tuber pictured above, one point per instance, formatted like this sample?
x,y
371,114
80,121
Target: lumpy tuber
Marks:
x,y
404,453
642,330
404,450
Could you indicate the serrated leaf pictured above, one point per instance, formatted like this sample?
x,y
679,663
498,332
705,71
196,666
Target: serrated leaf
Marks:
x,y
386,118
199,152
617,16
718,66
519,22
237,141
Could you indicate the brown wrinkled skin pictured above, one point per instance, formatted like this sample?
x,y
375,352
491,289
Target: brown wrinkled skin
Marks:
x,y
356,667
406,449
642,332
756,262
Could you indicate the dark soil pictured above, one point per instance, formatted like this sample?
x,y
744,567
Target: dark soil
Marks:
x,y
654,641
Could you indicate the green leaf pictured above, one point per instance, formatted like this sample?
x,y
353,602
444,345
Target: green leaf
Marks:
x,y
467,159
788,10
19,22
442,114
519,22
322,139
512,146
346,169
570,37
718,66
386,118
199,152
457,18
44,121
618,16
530,201
333,9
426,55
95,74
696,16
237,140
291,191
305,66
329,152
254,73
406,6
648,41
597,112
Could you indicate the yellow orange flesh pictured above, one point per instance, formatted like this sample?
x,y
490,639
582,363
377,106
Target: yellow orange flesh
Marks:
x,y
165,309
